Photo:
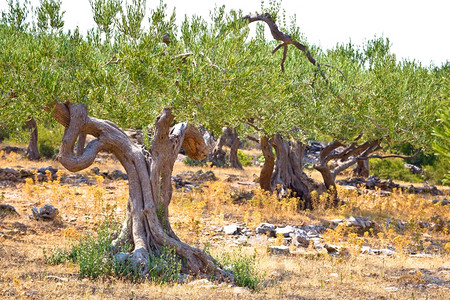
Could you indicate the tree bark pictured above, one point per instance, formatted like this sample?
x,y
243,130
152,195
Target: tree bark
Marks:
x,y
32,149
235,143
146,225
269,164
348,155
218,156
288,178
362,168
229,138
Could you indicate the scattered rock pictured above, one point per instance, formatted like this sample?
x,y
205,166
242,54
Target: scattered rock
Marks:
x,y
441,201
56,278
359,222
231,229
117,175
300,238
285,231
278,250
6,209
266,228
47,212
201,176
114,175
372,251
332,249
18,150
421,255
413,169
202,283
336,222
374,182
240,197
391,289
231,178
180,183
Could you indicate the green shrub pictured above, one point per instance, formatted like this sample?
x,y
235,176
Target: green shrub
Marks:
x,y
57,256
95,257
393,169
194,163
438,173
244,268
49,140
245,159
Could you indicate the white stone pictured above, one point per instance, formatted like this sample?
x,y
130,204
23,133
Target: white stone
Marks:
x,y
231,229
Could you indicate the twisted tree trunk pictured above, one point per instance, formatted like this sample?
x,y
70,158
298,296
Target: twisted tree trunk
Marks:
x,y
218,156
229,138
269,163
32,149
348,155
288,177
235,143
362,168
147,225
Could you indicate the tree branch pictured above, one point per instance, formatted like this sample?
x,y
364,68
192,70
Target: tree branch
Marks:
x,y
285,38
391,156
78,118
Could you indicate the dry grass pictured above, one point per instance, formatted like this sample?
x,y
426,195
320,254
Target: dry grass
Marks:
x,y
196,216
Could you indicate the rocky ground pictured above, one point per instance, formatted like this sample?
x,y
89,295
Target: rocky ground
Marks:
x,y
328,254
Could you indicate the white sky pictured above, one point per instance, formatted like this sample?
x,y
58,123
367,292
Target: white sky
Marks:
x,y
418,30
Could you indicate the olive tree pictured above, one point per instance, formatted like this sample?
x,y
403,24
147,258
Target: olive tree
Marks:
x,y
193,78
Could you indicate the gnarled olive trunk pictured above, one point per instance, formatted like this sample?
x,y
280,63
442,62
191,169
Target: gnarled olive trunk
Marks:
x,y
234,147
218,155
362,168
265,177
229,138
147,224
32,149
348,156
288,177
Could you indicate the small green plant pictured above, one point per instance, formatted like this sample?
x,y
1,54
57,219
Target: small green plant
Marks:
x,y
393,169
95,257
245,159
164,267
194,163
438,173
244,268
57,256
49,140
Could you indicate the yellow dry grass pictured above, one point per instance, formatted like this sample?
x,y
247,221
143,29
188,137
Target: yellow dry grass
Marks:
x,y
308,274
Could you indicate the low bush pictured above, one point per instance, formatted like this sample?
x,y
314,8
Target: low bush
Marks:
x,y
49,140
245,159
393,169
96,258
243,267
438,173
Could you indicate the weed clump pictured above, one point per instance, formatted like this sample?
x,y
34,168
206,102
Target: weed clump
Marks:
x,y
96,257
243,267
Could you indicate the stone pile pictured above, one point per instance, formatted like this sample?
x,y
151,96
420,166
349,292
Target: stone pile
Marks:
x,y
6,209
305,240
19,175
18,150
47,213
374,182
114,175
191,180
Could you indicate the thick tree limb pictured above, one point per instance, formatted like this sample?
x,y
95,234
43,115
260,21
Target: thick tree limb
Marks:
x,y
285,38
